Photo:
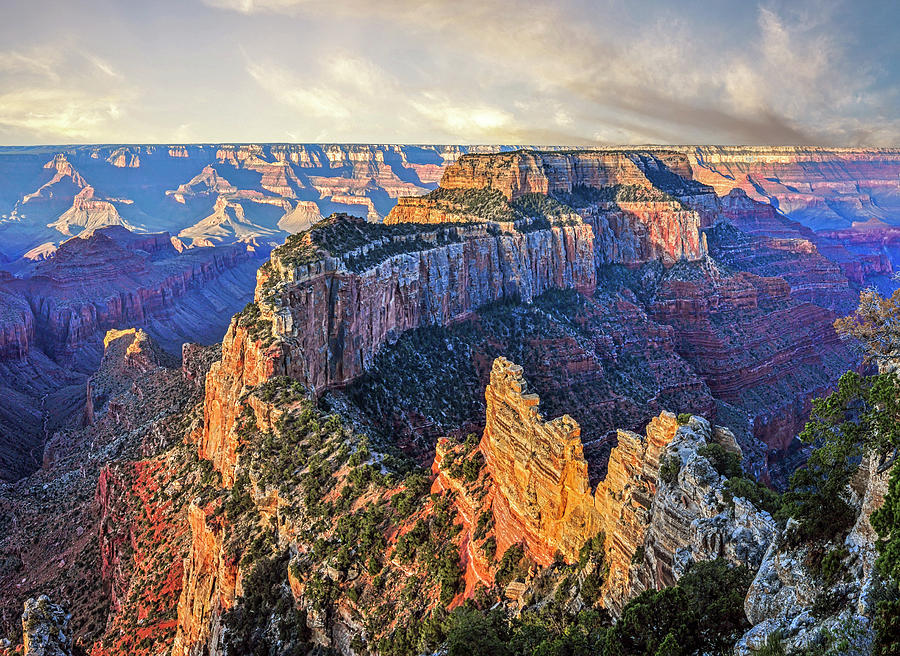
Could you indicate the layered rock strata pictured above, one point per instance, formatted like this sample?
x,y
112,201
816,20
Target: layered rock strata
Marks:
x,y
329,317
658,217
692,520
208,589
541,491
820,187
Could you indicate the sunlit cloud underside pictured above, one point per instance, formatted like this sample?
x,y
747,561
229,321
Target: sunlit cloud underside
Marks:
x,y
450,72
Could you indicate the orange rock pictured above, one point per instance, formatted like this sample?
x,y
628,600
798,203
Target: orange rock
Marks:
x,y
542,495
209,586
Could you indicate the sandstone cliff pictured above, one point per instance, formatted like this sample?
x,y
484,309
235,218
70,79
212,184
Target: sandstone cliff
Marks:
x,y
208,589
541,492
642,206
692,519
320,320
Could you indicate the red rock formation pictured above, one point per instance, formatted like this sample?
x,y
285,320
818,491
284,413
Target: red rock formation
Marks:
x,y
432,285
245,363
209,587
627,495
105,280
542,496
754,347
626,232
541,493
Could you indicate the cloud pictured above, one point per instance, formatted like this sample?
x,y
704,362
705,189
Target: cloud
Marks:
x,y
57,94
533,71
460,119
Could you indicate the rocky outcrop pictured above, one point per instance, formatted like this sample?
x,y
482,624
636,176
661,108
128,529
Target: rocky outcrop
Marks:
x,y
785,589
209,587
653,529
245,363
542,492
45,628
52,321
627,494
106,280
692,520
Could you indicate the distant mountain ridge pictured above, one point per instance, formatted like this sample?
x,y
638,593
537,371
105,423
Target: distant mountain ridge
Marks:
x,y
209,194
224,193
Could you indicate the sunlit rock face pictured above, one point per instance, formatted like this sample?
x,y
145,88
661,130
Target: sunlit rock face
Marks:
x,y
822,188
541,491
538,466
48,194
658,217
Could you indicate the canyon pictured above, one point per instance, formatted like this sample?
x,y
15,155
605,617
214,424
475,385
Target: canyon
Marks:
x,y
367,449
205,193
54,314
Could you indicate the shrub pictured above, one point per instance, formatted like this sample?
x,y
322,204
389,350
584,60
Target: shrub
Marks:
x,y
756,493
512,565
669,468
726,463
832,564
684,418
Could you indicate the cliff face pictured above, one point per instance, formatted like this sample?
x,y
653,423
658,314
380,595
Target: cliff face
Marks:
x,y
638,204
523,172
691,520
541,492
208,589
786,587
823,188
332,315
87,213
539,470
245,362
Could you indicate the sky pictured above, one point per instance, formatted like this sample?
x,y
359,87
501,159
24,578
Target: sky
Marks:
x,y
562,72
